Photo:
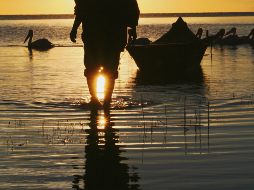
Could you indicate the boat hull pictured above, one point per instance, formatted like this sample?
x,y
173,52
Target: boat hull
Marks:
x,y
169,58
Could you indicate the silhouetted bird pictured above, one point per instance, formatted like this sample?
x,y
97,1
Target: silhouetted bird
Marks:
x,y
215,39
231,38
232,31
199,33
251,35
41,44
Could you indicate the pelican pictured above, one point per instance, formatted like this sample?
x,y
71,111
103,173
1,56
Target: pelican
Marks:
x,y
251,35
215,39
232,31
234,39
231,38
250,38
41,44
199,33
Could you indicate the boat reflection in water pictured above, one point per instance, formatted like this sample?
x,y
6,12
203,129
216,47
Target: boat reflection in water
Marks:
x,y
163,78
104,167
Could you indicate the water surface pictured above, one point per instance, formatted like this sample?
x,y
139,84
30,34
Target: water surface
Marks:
x,y
166,135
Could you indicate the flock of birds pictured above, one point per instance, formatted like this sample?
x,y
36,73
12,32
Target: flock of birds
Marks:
x,y
226,38
221,38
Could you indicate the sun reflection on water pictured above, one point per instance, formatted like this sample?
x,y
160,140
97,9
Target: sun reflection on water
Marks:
x,y
101,122
100,88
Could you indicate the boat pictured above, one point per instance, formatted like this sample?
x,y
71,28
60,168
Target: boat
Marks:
x,y
177,50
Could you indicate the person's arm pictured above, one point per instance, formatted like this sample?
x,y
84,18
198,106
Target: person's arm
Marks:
x,y
134,13
132,34
134,18
76,24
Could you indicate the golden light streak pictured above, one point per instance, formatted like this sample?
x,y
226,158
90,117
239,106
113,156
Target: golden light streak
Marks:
x,y
102,122
100,88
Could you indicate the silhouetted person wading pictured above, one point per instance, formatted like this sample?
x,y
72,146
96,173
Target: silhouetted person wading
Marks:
x,y
104,24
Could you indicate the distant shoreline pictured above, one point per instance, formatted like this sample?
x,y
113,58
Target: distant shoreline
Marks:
x,y
144,15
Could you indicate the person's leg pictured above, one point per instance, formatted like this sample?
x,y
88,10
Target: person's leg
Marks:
x,y
109,88
91,74
91,82
111,71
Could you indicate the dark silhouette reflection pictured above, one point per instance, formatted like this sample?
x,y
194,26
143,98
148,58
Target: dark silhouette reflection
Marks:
x,y
103,165
30,53
252,45
195,75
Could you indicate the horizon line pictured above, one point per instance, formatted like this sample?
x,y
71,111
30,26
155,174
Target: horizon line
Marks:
x,y
142,15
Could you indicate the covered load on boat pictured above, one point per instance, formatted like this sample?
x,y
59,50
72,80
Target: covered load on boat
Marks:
x,y
177,50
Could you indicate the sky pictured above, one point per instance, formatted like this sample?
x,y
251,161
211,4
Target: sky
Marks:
x,y
146,6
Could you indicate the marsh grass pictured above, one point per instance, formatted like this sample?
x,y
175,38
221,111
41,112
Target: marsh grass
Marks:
x,y
161,125
51,133
196,116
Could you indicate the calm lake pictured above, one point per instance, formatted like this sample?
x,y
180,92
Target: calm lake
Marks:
x,y
195,134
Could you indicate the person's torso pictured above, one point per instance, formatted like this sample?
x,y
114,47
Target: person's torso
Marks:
x,y
105,21
112,12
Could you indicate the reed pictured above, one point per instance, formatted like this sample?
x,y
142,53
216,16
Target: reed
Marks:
x,y
208,124
43,128
166,118
143,114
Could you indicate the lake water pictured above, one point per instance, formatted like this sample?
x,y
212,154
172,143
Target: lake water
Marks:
x,y
195,134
